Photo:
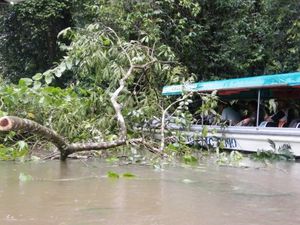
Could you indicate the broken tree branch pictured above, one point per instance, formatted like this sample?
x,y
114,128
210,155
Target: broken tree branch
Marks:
x,y
163,119
13,123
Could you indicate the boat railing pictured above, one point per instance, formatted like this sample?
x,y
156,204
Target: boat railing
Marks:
x,y
238,129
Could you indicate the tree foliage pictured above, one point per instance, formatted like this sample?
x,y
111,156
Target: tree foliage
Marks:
x,y
88,46
28,36
232,38
214,38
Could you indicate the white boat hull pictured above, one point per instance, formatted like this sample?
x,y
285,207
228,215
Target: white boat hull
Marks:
x,y
250,139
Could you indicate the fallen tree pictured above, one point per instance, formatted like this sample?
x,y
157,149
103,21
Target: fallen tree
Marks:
x,y
12,123
130,64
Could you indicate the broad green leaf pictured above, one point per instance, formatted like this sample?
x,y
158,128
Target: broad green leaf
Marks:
x,y
65,32
58,71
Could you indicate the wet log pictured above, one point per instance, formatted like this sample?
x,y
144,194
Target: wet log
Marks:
x,y
13,123
78,147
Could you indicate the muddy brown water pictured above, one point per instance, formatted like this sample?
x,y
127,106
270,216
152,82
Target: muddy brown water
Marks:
x,y
77,193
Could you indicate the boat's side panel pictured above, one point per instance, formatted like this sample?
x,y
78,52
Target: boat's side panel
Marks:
x,y
246,142
249,139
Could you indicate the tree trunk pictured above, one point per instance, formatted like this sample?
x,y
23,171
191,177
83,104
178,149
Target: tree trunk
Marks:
x,y
13,123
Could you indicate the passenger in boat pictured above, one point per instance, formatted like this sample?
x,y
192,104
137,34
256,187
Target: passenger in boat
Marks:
x,y
284,115
250,119
228,113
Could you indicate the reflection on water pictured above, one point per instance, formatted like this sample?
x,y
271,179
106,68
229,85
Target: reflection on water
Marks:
x,y
77,193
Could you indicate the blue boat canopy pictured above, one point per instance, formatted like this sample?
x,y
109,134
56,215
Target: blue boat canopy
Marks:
x,y
272,83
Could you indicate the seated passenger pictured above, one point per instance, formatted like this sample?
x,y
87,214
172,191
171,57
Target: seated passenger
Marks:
x,y
283,116
229,114
250,120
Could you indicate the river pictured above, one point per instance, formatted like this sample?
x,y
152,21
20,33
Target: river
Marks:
x,y
80,193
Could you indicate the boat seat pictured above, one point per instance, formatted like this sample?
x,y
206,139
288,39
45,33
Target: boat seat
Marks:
x,y
295,123
268,124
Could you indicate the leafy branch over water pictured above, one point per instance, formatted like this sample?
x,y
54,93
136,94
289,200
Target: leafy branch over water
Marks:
x,y
282,152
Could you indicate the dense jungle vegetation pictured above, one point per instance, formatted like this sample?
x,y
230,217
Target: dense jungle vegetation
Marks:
x,y
60,60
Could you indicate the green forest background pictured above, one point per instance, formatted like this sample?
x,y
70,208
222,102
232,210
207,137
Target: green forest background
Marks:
x,y
211,38
60,59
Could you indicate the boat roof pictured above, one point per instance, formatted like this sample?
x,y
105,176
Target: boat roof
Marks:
x,y
276,83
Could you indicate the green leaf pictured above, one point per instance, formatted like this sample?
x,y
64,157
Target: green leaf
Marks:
x,y
48,78
58,71
38,76
106,42
37,84
112,174
128,175
189,159
65,32
68,63
25,81
204,131
112,160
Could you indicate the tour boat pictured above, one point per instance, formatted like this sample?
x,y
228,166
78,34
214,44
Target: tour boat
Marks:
x,y
245,138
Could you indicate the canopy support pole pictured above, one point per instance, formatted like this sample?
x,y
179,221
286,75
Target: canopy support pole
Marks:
x,y
258,107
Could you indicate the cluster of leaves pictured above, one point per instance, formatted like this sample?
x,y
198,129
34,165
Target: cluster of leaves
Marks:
x,y
18,151
231,159
71,111
282,152
98,59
